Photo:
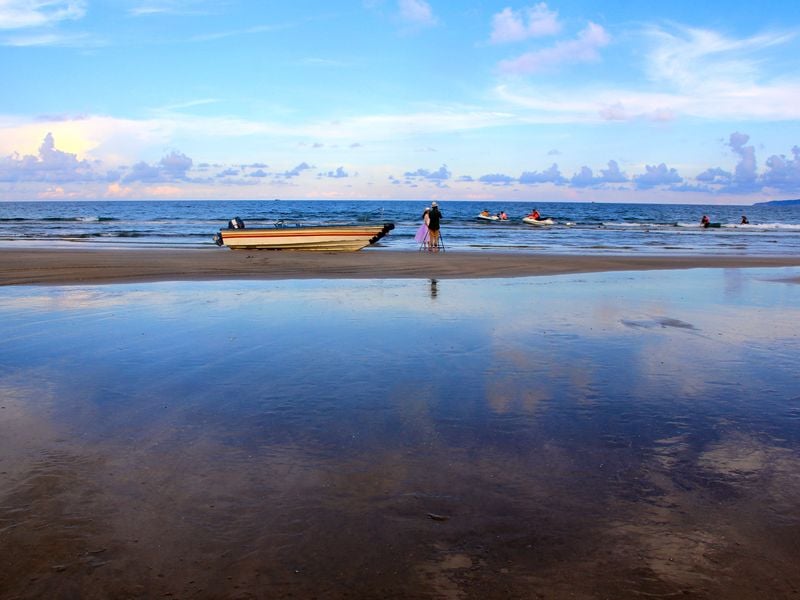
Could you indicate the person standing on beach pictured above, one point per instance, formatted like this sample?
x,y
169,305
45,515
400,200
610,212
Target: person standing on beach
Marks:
x,y
422,233
434,216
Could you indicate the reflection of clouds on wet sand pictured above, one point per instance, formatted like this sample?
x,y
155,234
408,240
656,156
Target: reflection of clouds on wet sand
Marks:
x,y
505,396
48,514
745,462
323,439
75,298
686,361
513,379
171,509
713,517
22,398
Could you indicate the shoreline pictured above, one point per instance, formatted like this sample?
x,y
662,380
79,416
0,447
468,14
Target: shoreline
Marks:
x,y
42,266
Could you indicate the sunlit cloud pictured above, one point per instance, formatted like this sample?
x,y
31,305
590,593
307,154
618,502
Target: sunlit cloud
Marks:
x,y
114,140
49,165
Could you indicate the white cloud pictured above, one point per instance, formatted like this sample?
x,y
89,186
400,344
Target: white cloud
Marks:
x,y
656,176
171,168
715,175
172,7
514,26
295,172
551,175
685,73
782,172
688,57
417,13
31,40
713,75
612,174
24,14
586,178
441,174
582,49
586,104
120,141
403,125
745,172
496,179
339,173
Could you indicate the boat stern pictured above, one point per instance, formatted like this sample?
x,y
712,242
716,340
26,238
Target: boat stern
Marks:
x,y
387,227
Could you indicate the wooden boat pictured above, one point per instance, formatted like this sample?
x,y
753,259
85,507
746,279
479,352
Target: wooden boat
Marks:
x,y
328,238
539,222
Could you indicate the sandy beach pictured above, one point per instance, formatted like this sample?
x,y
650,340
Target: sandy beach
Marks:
x,y
68,266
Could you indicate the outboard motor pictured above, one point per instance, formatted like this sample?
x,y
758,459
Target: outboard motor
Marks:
x,y
235,223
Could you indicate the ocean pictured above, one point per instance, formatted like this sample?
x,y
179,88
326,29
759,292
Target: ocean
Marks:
x,y
579,227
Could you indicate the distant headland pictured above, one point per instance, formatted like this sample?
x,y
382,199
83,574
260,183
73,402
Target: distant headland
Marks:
x,y
778,203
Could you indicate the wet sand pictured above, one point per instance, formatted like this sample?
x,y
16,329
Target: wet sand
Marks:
x,y
68,266
607,435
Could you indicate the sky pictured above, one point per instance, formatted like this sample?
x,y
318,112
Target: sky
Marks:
x,y
573,100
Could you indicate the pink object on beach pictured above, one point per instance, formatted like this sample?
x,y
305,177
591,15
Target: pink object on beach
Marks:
x,y
422,233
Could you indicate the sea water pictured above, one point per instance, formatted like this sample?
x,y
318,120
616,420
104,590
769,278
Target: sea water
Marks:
x,y
579,227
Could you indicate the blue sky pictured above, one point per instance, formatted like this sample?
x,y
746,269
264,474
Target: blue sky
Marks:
x,y
677,101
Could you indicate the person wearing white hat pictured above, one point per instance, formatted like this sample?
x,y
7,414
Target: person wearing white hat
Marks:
x,y
434,216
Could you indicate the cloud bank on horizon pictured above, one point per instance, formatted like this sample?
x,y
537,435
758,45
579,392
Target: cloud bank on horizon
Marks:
x,y
399,99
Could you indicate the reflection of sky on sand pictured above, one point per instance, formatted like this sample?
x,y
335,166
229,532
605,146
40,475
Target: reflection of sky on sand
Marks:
x,y
626,426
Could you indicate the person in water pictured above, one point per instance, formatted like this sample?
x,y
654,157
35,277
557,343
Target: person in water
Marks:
x,y
535,215
705,221
484,213
502,215
434,216
744,220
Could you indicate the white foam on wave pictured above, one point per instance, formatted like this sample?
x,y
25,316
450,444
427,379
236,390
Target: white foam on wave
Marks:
x,y
765,226
629,225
